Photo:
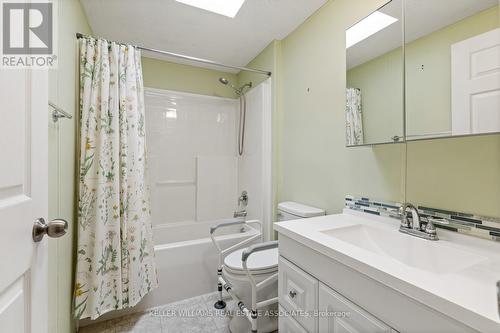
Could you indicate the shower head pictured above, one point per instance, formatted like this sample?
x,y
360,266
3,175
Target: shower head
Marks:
x,y
226,82
238,91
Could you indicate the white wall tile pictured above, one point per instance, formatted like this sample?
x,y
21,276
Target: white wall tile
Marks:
x,y
217,187
181,127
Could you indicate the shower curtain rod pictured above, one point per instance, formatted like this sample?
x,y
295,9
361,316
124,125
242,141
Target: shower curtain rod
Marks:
x,y
185,57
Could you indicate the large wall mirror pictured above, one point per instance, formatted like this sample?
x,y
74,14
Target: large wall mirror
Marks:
x,y
452,68
446,77
375,65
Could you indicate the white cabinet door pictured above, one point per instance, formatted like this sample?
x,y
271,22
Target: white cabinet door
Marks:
x,y
289,325
339,315
23,198
475,80
298,293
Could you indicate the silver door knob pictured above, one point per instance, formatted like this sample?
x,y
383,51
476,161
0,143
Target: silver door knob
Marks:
x,y
54,229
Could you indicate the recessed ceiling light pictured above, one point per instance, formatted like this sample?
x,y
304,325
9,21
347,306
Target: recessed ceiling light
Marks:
x,y
367,27
227,8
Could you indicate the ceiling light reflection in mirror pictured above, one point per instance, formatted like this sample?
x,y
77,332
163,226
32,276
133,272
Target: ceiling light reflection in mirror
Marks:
x,y
367,27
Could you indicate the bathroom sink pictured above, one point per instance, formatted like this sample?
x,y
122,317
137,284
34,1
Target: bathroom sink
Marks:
x,y
414,252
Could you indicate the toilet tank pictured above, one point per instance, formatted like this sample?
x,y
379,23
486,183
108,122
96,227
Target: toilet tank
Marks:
x,y
290,210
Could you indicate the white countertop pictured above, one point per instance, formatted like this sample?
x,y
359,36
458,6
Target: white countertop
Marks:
x,y
468,295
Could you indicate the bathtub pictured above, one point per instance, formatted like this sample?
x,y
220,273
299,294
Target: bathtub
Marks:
x,y
187,260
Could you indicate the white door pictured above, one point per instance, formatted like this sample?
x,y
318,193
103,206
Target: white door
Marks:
x,y
23,198
476,84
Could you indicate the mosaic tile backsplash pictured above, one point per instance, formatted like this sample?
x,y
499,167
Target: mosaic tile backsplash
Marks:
x,y
468,224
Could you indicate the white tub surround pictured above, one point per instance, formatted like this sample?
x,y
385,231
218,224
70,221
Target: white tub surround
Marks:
x,y
196,173
406,283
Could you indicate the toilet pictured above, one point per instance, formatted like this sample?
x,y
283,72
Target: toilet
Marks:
x,y
290,210
261,265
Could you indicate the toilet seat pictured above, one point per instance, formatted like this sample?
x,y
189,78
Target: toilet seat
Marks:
x,y
262,262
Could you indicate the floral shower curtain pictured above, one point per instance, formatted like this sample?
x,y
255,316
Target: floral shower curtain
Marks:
x,y
115,256
354,117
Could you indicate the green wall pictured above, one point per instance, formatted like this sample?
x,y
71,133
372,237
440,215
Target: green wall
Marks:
x,y
461,174
170,76
63,90
266,60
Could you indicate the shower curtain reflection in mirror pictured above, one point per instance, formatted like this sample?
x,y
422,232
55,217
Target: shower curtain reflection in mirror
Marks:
x,y
354,117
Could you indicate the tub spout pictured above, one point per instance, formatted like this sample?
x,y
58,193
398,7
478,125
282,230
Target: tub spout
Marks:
x,y
241,213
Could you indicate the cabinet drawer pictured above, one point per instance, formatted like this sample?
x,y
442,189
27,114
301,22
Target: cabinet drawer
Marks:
x,y
356,320
298,293
289,325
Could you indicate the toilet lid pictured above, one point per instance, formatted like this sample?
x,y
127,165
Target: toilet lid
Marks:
x,y
258,261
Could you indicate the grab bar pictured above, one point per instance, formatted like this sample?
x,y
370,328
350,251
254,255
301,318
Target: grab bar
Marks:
x,y
223,252
257,248
226,224
234,222
255,287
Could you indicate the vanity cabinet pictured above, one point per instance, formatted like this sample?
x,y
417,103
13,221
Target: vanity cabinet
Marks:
x,y
312,307
313,285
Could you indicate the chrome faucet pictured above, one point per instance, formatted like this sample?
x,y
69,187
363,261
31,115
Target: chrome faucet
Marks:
x,y
415,228
242,204
415,216
240,213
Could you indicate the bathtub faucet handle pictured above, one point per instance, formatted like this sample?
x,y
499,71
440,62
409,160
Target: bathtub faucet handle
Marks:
x,y
242,205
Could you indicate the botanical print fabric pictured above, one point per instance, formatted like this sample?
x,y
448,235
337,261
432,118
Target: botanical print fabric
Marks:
x,y
115,259
354,117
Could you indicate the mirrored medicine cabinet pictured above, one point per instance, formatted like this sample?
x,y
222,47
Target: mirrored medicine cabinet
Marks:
x,y
423,69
